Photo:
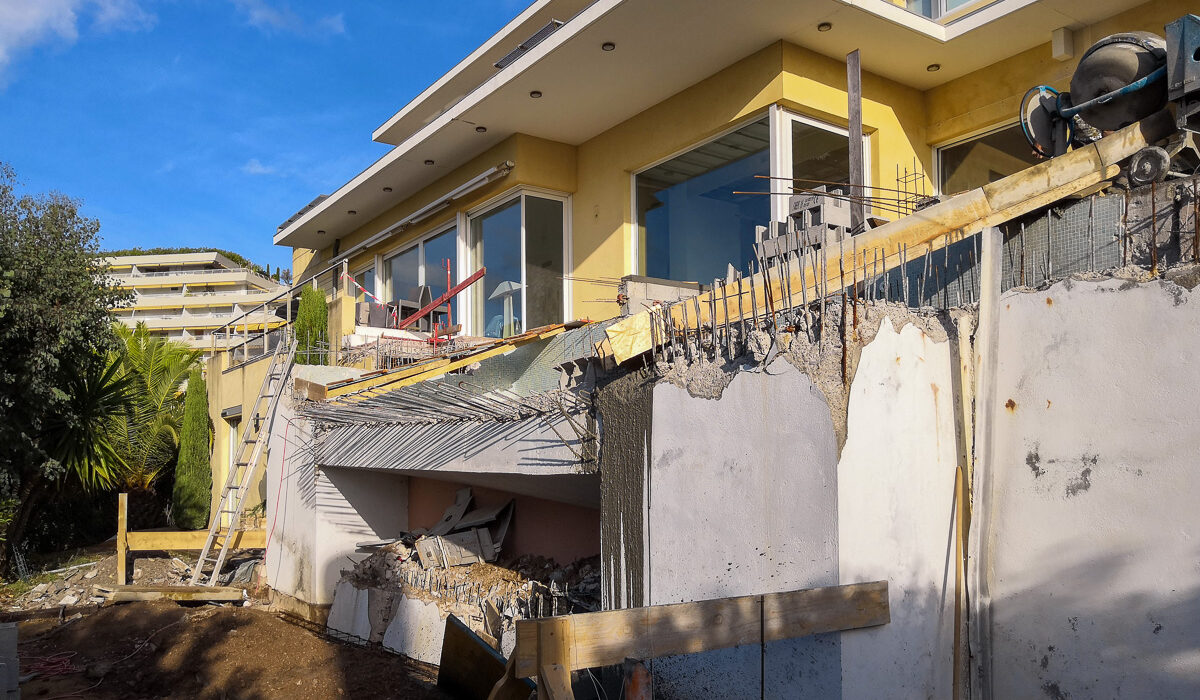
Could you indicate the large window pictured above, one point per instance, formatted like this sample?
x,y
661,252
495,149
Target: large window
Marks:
x,y
692,224
983,159
521,243
365,280
423,264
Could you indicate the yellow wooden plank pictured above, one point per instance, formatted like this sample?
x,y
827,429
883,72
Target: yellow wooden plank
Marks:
x,y
605,638
921,232
151,541
126,594
425,371
122,536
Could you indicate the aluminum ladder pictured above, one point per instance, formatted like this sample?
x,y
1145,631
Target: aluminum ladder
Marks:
x,y
242,472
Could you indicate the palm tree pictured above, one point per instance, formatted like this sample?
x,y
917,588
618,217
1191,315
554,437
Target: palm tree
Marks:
x,y
80,438
147,437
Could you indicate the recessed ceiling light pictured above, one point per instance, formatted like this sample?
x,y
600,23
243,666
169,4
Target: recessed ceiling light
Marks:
x,y
320,232
481,129
608,46
429,161
387,189
535,94
933,67
824,26
351,212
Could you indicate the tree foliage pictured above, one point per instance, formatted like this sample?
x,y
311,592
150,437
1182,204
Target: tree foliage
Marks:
x,y
55,341
193,476
312,326
280,274
147,436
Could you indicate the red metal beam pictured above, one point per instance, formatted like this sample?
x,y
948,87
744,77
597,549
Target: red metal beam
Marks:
x,y
458,288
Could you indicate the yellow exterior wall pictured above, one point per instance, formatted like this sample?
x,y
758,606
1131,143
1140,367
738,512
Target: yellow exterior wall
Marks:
x,y
782,73
903,125
991,96
226,389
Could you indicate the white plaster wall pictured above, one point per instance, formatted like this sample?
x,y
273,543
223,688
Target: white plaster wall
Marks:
x,y
743,500
416,630
1092,564
896,514
291,509
315,517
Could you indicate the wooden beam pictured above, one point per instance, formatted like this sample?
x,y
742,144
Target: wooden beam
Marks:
x,y
122,541
858,210
922,232
605,638
128,594
426,371
155,540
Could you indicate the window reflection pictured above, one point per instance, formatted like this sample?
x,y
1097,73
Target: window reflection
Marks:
x,y
693,225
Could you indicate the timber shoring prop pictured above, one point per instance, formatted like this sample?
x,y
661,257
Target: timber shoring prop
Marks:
x,y
964,214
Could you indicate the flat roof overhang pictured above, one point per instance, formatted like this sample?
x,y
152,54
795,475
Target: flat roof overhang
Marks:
x,y
586,90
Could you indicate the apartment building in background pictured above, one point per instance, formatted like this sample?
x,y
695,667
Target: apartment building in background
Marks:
x,y
188,296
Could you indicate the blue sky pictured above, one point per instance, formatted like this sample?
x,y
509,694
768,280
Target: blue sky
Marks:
x,y
207,123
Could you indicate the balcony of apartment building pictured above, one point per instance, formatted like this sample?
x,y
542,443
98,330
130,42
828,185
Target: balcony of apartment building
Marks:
x,y
240,277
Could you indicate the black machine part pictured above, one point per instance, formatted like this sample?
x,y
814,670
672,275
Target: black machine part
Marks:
x,y
1150,164
1112,63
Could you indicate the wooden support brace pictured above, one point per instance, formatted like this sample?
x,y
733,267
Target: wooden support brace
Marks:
x,y
122,537
610,637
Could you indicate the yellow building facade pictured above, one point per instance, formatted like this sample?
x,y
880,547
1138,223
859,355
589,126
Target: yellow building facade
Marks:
x,y
611,118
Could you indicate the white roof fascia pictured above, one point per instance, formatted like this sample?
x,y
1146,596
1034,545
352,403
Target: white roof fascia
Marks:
x,y
512,72
504,34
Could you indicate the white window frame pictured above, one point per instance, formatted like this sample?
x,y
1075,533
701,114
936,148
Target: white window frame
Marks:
x,y
779,124
419,244
465,243
960,140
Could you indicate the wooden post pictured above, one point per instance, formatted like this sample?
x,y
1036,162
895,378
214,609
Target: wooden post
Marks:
x,y
858,178
122,536
554,658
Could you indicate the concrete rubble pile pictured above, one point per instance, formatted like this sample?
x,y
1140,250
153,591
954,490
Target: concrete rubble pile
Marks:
x,y
76,585
485,597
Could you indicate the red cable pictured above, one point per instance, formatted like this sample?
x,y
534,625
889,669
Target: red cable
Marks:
x,y
282,466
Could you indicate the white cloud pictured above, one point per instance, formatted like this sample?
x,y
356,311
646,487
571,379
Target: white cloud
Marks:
x,y
27,23
270,19
255,167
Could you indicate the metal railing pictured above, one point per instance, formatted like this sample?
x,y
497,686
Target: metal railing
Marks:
x,y
256,345
121,275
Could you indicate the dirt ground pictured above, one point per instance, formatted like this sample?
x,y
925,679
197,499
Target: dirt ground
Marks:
x,y
165,650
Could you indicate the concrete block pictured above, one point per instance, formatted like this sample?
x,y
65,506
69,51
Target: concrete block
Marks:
x,y
416,630
380,604
349,613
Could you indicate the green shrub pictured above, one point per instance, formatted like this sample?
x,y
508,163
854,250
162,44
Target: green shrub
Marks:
x,y
312,327
193,477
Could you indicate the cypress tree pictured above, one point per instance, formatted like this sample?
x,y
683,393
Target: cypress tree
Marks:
x,y
312,326
193,476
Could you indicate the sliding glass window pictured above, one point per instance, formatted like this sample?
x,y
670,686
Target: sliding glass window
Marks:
x,y
692,224
423,264
694,216
977,161
521,243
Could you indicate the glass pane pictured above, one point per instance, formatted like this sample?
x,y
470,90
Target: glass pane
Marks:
x,y
403,276
366,280
692,224
441,250
819,157
497,239
544,260
985,159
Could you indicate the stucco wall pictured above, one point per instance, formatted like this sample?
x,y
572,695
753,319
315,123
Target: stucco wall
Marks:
x,y
315,516
747,494
896,514
1092,559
